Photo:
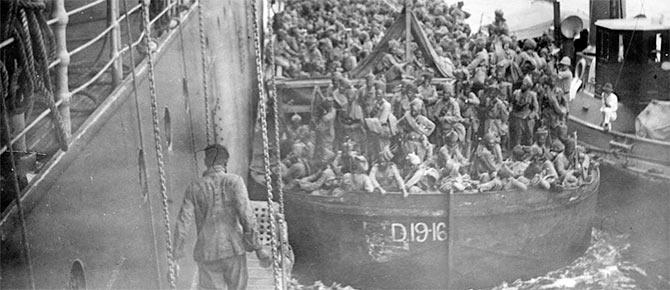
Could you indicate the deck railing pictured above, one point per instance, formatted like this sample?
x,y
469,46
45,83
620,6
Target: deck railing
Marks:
x,y
59,67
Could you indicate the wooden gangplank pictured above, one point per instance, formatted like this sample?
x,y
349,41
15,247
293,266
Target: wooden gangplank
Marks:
x,y
259,278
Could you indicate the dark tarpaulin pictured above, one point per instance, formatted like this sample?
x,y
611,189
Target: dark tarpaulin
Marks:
x,y
397,31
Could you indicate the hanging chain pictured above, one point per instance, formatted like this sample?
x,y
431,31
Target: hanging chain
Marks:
x,y
203,57
280,182
159,142
266,150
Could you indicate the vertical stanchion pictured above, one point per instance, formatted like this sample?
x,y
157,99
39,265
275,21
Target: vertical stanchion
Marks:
x,y
115,41
17,123
62,92
17,196
408,30
449,232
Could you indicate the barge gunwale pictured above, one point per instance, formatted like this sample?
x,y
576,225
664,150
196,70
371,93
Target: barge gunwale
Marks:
x,y
463,203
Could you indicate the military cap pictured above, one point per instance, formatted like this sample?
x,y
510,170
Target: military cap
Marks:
x,y
608,87
557,146
565,61
216,150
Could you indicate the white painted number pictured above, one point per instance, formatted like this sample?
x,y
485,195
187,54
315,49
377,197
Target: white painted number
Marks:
x,y
418,232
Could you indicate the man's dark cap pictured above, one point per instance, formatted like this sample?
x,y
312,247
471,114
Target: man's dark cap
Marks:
x,y
217,150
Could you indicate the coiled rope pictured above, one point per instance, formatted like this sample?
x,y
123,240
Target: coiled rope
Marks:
x,y
158,142
30,55
266,151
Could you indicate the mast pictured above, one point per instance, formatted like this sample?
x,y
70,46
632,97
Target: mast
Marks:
x,y
408,30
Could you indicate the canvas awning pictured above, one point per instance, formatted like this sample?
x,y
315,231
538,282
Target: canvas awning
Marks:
x,y
654,121
396,32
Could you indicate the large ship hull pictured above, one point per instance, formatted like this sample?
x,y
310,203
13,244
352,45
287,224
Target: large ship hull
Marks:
x,y
369,240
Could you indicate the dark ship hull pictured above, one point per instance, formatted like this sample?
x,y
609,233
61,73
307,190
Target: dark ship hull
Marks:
x,y
369,240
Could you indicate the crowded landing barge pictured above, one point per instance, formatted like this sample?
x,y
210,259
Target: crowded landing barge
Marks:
x,y
480,240
404,149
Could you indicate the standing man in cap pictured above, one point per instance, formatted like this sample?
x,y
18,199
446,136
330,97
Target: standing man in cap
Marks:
x,y
564,75
225,223
499,25
609,106
525,110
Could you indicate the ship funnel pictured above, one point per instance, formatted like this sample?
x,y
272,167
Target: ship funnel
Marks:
x,y
571,26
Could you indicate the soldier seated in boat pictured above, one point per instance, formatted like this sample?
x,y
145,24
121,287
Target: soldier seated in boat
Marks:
x,y
385,174
403,97
541,143
416,128
451,120
489,168
295,165
566,177
419,177
583,165
450,154
366,94
324,183
358,180
291,131
426,89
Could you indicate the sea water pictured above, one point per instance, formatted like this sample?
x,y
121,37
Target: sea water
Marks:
x,y
606,264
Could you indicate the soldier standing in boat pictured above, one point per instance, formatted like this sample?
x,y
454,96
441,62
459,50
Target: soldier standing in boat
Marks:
x,y
524,113
225,223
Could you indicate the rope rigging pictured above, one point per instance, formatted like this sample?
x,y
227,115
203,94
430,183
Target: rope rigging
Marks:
x,y
141,157
28,58
276,267
17,191
158,144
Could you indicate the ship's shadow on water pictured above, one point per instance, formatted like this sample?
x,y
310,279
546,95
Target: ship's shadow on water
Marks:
x,y
606,264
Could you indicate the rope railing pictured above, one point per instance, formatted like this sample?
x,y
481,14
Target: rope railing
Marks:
x,y
165,10
6,42
79,49
95,77
32,124
92,41
84,7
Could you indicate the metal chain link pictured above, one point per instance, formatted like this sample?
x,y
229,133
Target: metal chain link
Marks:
x,y
203,57
280,181
158,142
266,150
